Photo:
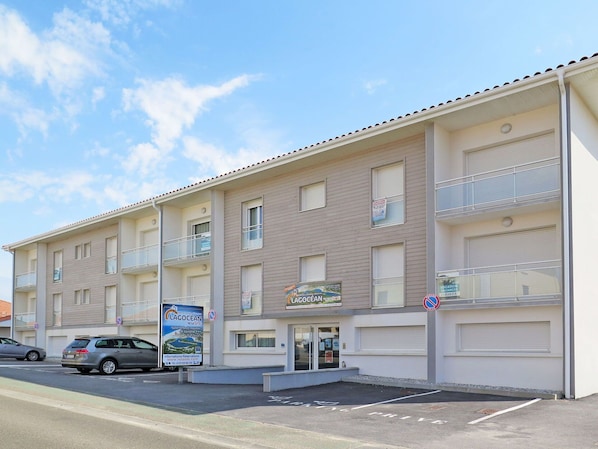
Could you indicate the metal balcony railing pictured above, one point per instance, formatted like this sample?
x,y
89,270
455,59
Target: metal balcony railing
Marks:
x,y
187,248
26,280
140,311
538,180
139,258
505,283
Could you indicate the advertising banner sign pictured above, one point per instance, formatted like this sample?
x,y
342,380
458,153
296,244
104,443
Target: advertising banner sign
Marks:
x,y
182,335
313,294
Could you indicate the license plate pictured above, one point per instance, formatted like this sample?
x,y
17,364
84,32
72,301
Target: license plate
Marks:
x,y
69,356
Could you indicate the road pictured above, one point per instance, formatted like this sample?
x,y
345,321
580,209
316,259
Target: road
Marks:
x,y
28,424
335,416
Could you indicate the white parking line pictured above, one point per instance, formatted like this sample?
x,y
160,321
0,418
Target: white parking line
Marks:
x,y
505,411
396,399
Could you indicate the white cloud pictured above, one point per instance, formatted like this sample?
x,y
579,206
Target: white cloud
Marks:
x,y
25,116
97,95
171,106
62,57
122,12
372,85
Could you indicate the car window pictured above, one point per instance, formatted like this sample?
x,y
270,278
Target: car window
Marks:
x,y
79,343
105,343
142,344
123,343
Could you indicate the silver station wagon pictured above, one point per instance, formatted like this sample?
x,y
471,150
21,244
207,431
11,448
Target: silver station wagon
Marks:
x,y
108,354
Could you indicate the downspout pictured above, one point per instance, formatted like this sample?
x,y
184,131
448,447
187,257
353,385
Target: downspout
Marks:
x,y
160,245
568,328
12,294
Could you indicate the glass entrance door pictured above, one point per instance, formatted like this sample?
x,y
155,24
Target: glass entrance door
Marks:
x,y
316,347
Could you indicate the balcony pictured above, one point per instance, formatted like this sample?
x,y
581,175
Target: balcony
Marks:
x,y
140,312
140,259
520,185
526,282
25,320
26,281
187,249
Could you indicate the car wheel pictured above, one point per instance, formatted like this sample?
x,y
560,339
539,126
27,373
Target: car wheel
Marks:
x,y
84,370
108,366
32,356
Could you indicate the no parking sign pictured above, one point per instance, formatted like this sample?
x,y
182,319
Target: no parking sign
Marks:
x,y
431,302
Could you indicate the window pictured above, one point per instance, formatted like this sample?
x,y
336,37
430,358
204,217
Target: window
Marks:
x,y
111,255
313,196
252,224
82,296
110,304
83,251
388,202
201,241
251,290
57,309
387,276
259,339
57,275
313,268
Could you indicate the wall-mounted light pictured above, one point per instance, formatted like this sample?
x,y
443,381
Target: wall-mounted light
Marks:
x,y
204,267
506,128
507,221
203,210
153,221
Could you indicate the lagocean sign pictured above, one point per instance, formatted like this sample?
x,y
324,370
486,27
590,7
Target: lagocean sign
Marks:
x,y
313,294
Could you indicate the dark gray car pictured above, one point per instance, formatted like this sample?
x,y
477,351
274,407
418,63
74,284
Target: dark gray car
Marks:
x,y
10,348
107,354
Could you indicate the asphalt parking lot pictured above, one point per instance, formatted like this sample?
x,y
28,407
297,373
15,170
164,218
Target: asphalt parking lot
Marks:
x,y
380,415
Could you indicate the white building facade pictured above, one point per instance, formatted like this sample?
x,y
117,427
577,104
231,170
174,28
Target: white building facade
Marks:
x,y
321,258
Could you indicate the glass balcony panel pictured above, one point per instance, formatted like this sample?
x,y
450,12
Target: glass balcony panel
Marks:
x,y
185,248
25,320
521,282
26,280
140,257
140,311
252,237
523,182
388,292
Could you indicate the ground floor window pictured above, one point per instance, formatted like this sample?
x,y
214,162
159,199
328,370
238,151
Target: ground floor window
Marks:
x,y
260,339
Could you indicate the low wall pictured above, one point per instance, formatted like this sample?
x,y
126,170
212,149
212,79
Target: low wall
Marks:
x,y
276,381
228,375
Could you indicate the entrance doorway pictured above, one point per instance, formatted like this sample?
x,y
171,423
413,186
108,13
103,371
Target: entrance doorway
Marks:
x,y
316,346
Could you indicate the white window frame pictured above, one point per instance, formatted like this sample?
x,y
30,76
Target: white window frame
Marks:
x,y
388,195
57,273
252,224
312,196
57,309
388,276
111,255
251,290
312,268
110,297
263,339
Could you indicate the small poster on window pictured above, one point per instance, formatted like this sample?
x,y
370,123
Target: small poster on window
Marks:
x,y
379,209
246,301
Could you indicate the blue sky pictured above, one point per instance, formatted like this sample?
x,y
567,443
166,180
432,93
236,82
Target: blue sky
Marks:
x,y
104,103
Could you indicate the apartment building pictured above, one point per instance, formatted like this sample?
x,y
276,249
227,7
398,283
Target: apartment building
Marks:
x,y
321,258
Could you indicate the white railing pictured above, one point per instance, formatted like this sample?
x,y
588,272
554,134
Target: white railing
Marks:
x,y
140,311
518,282
537,180
186,248
252,237
136,258
26,280
25,320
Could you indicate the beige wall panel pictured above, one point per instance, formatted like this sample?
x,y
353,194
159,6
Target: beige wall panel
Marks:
x,y
78,274
341,230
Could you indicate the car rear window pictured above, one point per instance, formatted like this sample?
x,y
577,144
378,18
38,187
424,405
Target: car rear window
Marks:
x,y
79,343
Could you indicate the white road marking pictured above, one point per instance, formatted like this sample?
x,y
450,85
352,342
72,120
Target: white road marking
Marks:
x,y
505,411
396,399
